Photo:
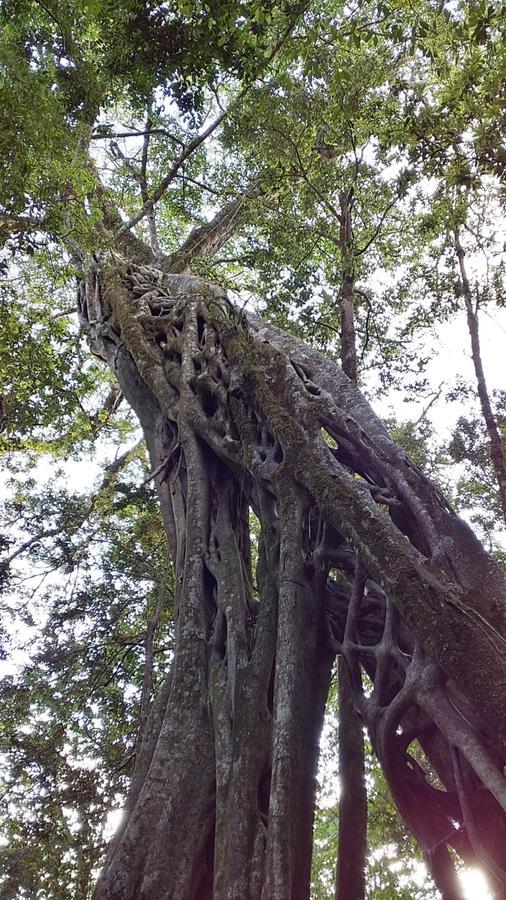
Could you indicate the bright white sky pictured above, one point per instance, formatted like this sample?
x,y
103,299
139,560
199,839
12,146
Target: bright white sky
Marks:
x,y
452,358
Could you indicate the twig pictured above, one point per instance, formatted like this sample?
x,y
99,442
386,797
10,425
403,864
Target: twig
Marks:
x,y
378,227
127,134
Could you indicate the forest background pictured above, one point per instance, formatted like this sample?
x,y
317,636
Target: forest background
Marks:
x,y
337,168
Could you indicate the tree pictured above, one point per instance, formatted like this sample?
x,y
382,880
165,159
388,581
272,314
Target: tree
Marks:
x,y
358,553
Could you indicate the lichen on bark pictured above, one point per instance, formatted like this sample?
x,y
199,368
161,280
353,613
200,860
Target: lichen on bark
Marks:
x,y
359,555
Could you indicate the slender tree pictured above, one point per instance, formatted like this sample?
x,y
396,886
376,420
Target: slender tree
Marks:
x,y
497,452
352,847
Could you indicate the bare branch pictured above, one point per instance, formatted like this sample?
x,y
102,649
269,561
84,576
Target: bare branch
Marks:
x,y
26,545
137,134
200,184
435,396
378,227
149,204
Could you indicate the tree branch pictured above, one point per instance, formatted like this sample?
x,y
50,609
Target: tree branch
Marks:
x,y
143,181
110,472
209,238
201,138
127,134
378,227
23,223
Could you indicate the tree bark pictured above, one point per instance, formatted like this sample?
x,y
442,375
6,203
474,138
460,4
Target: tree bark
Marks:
x,y
352,846
352,843
207,239
346,294
237,417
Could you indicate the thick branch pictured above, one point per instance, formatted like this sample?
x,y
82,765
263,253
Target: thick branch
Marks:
x,y
211,237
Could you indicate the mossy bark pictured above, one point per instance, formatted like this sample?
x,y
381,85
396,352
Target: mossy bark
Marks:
x,y
240,417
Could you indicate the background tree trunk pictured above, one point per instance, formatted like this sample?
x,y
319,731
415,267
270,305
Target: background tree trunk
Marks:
x,y
352,846
497,452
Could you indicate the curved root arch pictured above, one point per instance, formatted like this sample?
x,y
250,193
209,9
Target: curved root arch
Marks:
x,y
357,554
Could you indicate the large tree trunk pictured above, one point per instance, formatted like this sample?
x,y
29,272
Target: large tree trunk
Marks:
x,y
358,553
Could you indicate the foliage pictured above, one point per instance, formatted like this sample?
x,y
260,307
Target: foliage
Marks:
x,y
71,714
477,487
47,375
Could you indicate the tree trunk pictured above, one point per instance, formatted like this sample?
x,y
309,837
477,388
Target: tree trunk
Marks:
x,y
238,417
352,846
497,451
348,342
